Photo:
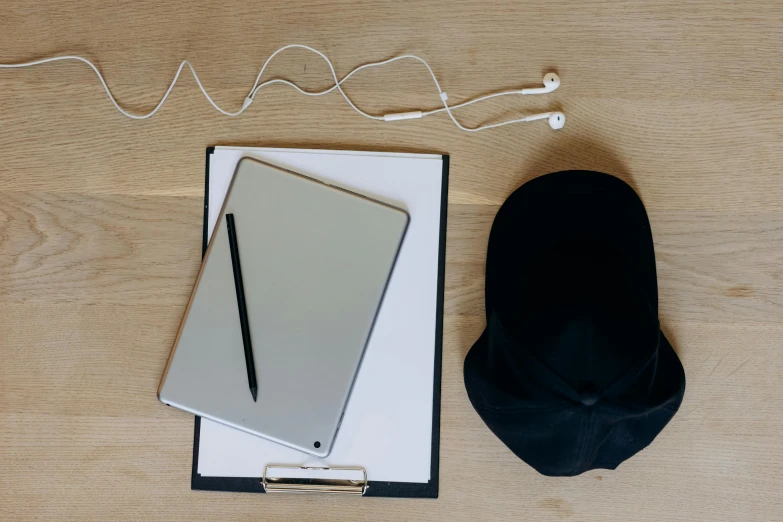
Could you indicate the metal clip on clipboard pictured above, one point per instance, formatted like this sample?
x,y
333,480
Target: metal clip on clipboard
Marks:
x,y
314,485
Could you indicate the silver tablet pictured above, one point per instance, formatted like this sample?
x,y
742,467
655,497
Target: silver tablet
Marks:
x,y
315,262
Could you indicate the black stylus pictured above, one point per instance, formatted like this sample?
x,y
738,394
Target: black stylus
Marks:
x,y
251,366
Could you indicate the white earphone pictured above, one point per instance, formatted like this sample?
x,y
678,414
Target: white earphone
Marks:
x,y
551,82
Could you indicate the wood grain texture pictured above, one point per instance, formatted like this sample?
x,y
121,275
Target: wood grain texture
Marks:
x,y
100,231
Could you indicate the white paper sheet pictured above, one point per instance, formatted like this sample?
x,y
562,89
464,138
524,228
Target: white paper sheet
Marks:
x,y
387,427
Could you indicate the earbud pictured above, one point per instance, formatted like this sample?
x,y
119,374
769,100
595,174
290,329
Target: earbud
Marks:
x,y
551,82
556,119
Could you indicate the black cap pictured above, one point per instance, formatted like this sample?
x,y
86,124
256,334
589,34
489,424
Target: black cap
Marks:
x,y
573,372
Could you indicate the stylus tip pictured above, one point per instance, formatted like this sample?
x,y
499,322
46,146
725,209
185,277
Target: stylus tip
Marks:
x,y
254,393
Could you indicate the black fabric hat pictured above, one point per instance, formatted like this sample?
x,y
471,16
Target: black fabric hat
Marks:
x,y
573,372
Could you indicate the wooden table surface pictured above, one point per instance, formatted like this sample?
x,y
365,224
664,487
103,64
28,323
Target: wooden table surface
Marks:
x,y
101,216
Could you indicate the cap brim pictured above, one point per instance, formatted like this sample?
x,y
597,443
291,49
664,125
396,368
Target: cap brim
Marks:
x,y
510,420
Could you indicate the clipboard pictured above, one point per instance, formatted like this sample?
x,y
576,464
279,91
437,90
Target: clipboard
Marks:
x,y
347,477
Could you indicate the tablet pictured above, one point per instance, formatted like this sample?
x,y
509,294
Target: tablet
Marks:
x,y
315,262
